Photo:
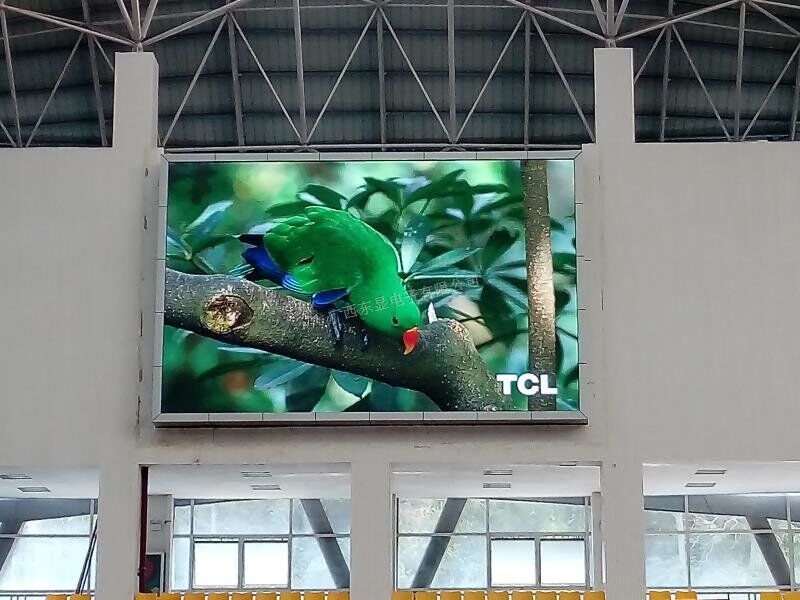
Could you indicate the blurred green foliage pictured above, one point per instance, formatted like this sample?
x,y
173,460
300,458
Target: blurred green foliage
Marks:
x,y
458,228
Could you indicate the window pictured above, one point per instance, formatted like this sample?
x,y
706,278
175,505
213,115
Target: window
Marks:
x,y
479,543
261,544
53,532
722,542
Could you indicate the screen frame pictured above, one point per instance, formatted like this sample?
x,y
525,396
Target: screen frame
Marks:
x,y
201,419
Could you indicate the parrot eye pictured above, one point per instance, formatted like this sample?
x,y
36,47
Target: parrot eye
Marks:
x,y
395,321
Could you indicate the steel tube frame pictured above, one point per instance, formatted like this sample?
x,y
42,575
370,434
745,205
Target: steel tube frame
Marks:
x,y
98,98
235,83
12,88
739,67
771,91
208,16
301,85
67,24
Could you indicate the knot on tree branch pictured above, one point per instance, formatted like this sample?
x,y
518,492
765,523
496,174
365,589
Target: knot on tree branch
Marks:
x,y
445,366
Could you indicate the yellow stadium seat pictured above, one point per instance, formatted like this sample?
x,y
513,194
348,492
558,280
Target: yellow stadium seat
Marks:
x,y
474,595
660,595
80,597
770,596
449,595
686,595
194,596
56,597
169,596
218,596
569,596
424,595
339,595
402,595
242,596
290,595
594,595
521,595
791,596
546,596
314,596
497,595
147,596
266,595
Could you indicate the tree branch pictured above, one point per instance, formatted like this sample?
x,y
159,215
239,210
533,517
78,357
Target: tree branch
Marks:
x,y
445,364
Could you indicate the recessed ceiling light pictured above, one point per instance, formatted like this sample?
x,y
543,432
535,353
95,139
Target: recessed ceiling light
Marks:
x,y
34,489
265,487
496,485
256,474
15,476
498,472
701,484
710,471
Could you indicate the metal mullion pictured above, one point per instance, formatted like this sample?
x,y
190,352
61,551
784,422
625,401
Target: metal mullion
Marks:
x,y
191,544
538,560
291,542
686,541
488,534
240,565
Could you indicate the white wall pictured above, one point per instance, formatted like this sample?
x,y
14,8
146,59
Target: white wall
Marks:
x,y
689,289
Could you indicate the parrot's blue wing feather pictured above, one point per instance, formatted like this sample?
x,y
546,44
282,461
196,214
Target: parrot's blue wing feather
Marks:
x,y
265,268
328,297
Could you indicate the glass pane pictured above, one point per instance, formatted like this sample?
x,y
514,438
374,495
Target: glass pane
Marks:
x,y
463,563
665,561
737,512
420,515
336,510
180,564
216,564
242,517
513,562
266,564
523,516
63,557
563,562
664,513
728,559
309,568
181,518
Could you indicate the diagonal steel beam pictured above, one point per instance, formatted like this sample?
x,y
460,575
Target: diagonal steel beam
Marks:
x,y
526,121
609,21
208,16
55,89
301,84
551,17
195,77
648,56
739,68
563,77
771,91
381,77
12,88
600,15
136,17
700,81
451,66
103,53
98,98
675,19
126,18
4,129
266,78
413,71
69,24
665,75
491,75
774,18
148,17
342,73
623,9
235,82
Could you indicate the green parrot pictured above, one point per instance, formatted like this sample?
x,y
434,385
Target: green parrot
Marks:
x,y
330,255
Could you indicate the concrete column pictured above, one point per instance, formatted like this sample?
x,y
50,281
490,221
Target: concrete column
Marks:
x,y
613,95
622,524
118,530
371,537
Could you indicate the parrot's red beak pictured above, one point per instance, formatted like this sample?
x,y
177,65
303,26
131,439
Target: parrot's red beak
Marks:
x,y
410,339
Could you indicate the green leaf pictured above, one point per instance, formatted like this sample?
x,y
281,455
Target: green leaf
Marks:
x,y
497,245
280,372
241,350
230,367
212,241
435,189
176,247
511,292
387,187
326,195
286,209
335,398
414,236
489,188
446,259
504,202
207,222
354,384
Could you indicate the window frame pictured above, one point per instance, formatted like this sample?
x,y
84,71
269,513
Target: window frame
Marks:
x,y
242,539
537,536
